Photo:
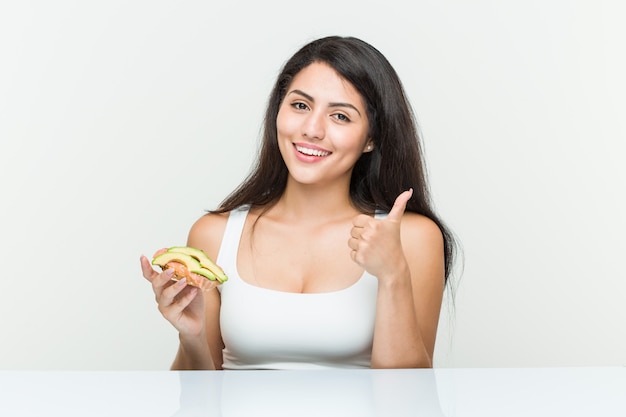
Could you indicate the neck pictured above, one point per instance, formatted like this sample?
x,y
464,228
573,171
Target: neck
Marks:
x,y
315,203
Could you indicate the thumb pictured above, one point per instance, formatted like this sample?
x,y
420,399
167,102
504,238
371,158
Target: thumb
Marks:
x,y
400,205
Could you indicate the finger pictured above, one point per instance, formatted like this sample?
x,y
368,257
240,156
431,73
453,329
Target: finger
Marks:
x,y
361,220
163,278
175,311
161,281
356,258
146,268
400,205
355,232
184,301
169,293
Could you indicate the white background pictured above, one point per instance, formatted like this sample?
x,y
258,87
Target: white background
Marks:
x,y
122,121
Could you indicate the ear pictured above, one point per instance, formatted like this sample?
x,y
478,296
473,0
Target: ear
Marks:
x,y
369,146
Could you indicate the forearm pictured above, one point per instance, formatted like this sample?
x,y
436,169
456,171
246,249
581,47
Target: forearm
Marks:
x,y
193,354
398,342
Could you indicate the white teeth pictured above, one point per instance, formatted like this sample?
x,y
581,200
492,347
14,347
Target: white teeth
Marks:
x,y
312,152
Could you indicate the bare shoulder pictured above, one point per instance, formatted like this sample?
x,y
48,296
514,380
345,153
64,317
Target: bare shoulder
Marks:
x,y
206,233
421,230
423,242
423,246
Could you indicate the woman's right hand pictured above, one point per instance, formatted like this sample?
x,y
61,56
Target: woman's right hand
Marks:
x,y
178,302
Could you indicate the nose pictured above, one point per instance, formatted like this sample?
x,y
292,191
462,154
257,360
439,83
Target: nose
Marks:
x,y
314,126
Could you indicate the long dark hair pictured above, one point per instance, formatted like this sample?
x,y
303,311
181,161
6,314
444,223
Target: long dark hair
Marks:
x,y
396,163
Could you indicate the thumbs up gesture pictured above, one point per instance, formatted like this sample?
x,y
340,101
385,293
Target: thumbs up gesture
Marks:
x,y
375,243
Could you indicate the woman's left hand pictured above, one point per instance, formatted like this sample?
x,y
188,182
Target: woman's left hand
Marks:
x,y
376,243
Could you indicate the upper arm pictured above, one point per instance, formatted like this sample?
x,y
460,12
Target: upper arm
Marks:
x,y
206,234
423,246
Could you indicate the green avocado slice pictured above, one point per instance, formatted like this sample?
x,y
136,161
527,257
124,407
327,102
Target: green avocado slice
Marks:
x,y
203,259
189,261
205,273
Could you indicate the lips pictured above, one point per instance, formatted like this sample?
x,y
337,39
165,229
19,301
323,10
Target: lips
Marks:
x,y
311,150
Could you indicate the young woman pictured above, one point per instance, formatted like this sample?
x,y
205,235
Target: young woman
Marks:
x,y
334,255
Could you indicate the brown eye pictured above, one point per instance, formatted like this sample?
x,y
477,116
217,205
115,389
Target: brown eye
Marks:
x,y
341,117
298,105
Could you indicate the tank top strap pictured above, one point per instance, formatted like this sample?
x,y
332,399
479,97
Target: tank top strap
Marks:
x,y
227,256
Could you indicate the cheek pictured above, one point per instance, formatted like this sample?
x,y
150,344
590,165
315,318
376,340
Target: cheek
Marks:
x,y
280,126
288,124
355,144
282,123
282,131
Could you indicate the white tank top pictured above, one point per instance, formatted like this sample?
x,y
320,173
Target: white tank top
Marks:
x,y
269,329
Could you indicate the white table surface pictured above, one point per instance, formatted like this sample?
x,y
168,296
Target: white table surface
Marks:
x,y
365,393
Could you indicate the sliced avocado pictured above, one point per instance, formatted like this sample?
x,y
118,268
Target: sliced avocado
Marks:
x,y
203,258
189,261
205,273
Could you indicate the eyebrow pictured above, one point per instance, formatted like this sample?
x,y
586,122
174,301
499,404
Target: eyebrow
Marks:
x,y
311,99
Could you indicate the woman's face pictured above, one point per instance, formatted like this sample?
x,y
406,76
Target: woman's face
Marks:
x,y
322,126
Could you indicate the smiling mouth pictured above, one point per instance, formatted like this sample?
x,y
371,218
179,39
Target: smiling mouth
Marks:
x,y
311,152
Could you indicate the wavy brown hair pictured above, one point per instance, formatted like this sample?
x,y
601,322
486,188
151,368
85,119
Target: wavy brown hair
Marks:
x,y
396,163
